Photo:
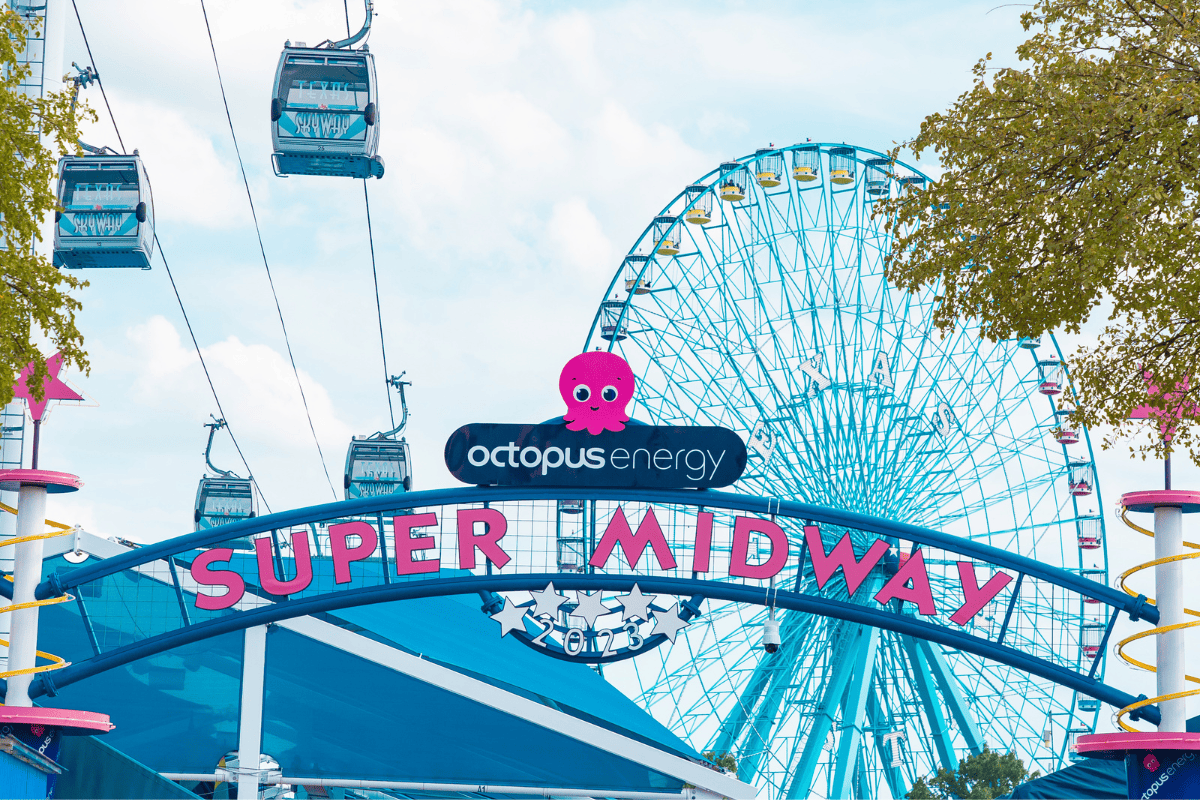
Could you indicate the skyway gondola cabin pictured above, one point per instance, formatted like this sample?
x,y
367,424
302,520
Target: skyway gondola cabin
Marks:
x,y
381,464
107,212
325,113
223,497
376,466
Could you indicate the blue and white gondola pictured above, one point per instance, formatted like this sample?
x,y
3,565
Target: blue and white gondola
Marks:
x,y
107,216
325,110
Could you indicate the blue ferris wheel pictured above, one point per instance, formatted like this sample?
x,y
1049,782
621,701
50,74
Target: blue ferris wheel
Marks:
x,y
756,300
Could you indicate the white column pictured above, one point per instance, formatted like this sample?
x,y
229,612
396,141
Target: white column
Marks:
x,y
22,653
53,69
10,451
55,38
1168,595
254,664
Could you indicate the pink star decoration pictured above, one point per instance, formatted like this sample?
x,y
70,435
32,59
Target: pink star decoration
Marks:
x,y
54,388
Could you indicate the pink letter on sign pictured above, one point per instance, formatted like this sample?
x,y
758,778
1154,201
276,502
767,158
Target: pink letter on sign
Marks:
x,y
920,591
976,598
494,528
342,555
842,555
742,527
633,544
702,551
235,587
266,569
406,544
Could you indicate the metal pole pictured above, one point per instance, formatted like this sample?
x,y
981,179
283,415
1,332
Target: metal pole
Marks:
x,y
254,663
37,440
12,445
22,652
1168,579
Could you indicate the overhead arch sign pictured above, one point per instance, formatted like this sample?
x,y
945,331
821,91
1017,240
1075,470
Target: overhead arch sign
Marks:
x,y
593,539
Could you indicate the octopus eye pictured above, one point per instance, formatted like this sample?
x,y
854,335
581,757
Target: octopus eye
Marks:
x,y
582,393
609,394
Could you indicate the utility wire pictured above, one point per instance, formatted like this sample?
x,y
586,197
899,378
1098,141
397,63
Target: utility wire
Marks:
x,y
207,376
203,364
102,92
262,249
378,306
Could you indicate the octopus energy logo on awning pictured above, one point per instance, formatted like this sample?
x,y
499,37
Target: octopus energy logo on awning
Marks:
x,y
593,446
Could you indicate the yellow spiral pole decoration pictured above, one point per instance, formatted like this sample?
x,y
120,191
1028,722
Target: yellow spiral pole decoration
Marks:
x,y
1136,662
56,662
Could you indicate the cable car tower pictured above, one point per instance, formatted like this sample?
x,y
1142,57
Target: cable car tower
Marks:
x,y
223,497
107,210
324,110
380,464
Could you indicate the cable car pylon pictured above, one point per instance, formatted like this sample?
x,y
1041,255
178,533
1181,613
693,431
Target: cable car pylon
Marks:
x,y
380,464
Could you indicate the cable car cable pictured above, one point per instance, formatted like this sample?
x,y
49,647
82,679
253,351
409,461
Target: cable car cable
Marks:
x,y
103,93
187,322
378,306
263,250
207,376
374,271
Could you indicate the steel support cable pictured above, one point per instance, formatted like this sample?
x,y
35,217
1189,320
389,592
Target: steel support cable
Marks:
x,y
178,299
378,306
263,250
374,271
103,93
207,376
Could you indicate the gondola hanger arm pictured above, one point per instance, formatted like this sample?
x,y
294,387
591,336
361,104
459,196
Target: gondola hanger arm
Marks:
x,y
362,33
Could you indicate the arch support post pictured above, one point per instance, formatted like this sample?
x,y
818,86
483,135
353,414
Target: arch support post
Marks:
x,y
254,666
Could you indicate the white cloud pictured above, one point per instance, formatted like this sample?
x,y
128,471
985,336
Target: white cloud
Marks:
x,y
575,238
256,384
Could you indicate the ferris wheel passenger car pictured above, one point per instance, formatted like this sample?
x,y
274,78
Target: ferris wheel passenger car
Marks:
x,y
107,216
324,113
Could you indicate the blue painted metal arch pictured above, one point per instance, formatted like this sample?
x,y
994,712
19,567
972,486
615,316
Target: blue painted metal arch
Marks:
x,y
884,618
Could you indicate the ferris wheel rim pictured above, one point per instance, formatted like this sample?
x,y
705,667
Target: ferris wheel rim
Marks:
x,y
709,190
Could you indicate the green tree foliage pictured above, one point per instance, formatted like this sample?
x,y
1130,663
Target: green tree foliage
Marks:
x,y
978,777
1070,194
725,761
35,299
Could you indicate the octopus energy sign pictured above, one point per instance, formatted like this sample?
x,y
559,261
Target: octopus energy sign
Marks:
x,y
593,445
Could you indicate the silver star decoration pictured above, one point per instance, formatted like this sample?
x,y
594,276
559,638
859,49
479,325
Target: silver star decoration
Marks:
x,y
668,622
547,601
510,618
590,608
635,604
